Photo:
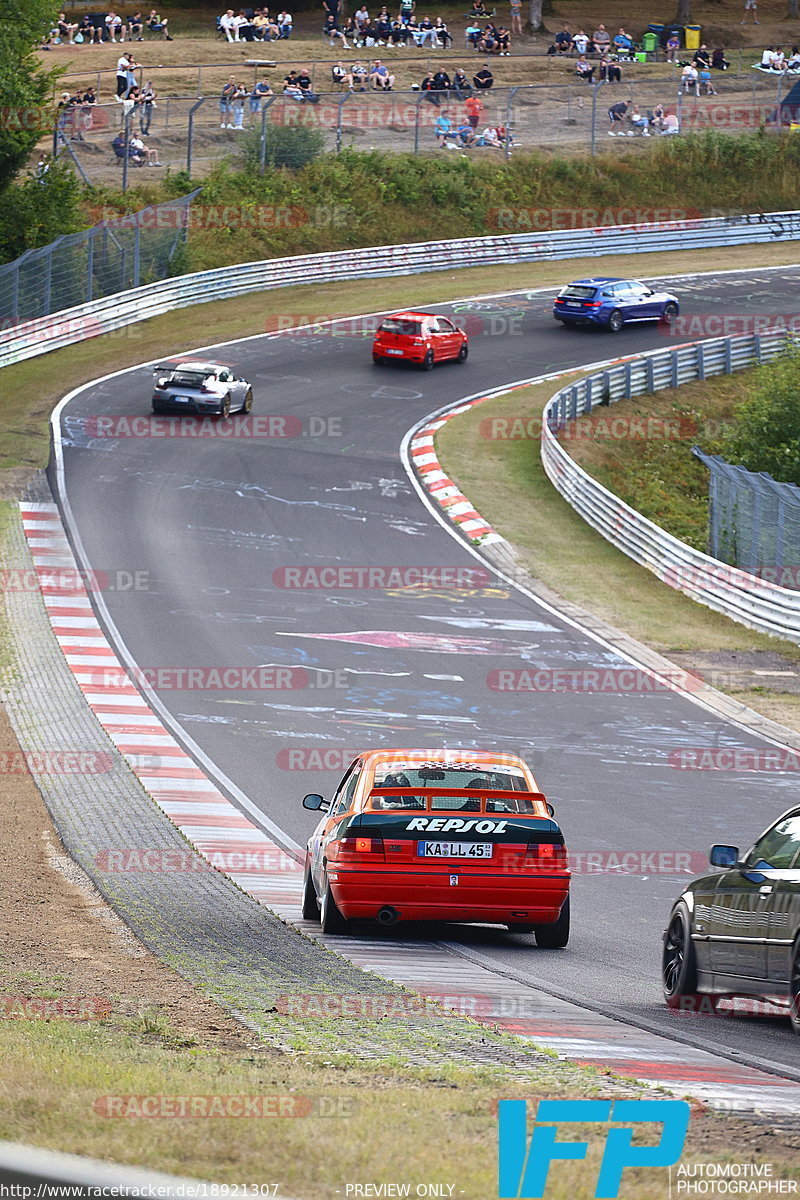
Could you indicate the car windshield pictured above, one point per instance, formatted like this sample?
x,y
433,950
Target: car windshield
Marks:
x,y
396,325
579,292
189,378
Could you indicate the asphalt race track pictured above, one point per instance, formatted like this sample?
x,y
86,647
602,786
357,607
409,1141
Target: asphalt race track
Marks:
x,y
211,520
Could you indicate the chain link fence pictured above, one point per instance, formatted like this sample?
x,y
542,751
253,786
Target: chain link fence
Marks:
x,y
80,267
193,134
754,522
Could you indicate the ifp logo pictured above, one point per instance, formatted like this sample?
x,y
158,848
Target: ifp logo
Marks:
x,y
523,1168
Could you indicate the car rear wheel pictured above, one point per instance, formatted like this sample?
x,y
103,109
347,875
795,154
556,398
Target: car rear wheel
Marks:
x,y
555,936
331,919
427,361
794,990
616,321
378,360
310,907
670,312
463,353
225,407
679,961
247,404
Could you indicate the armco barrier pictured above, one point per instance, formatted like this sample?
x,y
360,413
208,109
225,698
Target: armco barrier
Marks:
x,y
745,598
113,312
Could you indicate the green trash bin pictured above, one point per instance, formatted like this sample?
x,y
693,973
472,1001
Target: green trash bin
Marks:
x,y
649,42
692,36
640,56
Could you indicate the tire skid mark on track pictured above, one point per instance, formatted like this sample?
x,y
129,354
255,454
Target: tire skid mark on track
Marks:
x,y
229,841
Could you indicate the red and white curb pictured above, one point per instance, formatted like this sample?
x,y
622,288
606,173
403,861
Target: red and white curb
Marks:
x,y
229,841
441,488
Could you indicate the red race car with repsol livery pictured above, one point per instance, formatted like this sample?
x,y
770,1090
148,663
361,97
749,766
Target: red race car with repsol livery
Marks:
x,y
421,835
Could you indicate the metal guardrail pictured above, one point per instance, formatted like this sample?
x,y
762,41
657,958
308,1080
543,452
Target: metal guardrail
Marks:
x,y
126,308
746,598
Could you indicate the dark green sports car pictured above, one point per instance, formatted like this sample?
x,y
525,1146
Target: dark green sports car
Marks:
x,y
737,932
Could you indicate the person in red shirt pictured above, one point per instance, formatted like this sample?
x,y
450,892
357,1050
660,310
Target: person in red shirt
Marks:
x,y
474,107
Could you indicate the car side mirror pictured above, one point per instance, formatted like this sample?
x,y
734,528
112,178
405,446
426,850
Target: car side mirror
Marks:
x,y
314,801
724,856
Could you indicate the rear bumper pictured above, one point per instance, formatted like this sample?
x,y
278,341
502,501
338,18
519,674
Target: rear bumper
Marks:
x,y
413,355
430,896
196,409
578,318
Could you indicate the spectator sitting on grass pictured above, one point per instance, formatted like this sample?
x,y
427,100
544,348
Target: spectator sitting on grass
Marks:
x,y
601,40
504,41
670,123
89,31
460,86
690,77
563,40
135,27
383,28
702,58
114,25
443,128
465,134
65,29
484,78
291,86
441,81
380,78
332,31
584,69
706,84
718,60
427,32
285,23
489,43
399,34
792,63
639,123
610,71
478,9
304,83
229,25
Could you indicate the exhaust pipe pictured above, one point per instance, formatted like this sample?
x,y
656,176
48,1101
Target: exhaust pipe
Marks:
x,y
388,915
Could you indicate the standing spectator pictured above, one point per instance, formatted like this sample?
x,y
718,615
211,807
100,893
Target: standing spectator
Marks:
x,y
226,103
237,104
483,79
474,107
601,40
750,6
673,46
516,16
125,77
158,24
146,110
407,10
616,115
135,27
260,91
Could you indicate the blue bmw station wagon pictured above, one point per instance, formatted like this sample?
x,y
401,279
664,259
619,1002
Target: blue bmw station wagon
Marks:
x,y
612,303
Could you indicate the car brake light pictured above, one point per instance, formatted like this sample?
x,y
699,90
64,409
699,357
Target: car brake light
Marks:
x,y
559,300
356,847
593,304
546,856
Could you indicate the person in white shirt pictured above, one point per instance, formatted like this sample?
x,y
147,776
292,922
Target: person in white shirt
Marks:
x,y
227,22
285,24
690,79
137,145
767,58
115,25
581,43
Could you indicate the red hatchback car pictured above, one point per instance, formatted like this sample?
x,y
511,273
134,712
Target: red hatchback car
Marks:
x,y
421,338
420,835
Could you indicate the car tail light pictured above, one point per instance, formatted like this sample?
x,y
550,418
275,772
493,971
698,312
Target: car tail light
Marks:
x,y
560,300
547,856
360,848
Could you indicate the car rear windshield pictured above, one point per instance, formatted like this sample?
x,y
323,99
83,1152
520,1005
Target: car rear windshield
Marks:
x,y
499,777
578,292
189,378
407,328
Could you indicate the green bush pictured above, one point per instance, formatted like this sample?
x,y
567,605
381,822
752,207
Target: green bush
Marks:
x,y
287,146
766,427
